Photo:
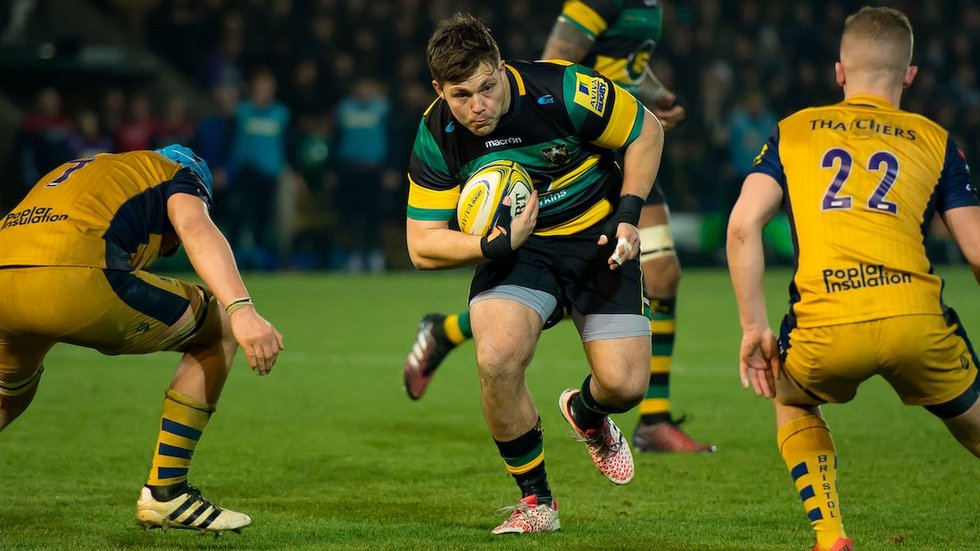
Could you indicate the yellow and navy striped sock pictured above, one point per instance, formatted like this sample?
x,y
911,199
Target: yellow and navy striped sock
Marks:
x,y
524,458
655,407
456,327
808,451
181,424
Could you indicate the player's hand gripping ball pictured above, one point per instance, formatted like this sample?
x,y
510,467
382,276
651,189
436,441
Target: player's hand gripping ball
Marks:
x,y
483,195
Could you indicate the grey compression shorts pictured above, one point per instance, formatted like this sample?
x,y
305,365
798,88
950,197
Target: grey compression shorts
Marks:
x,y
591,327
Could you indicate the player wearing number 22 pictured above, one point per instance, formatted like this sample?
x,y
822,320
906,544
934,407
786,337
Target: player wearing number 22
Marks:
x,y
561,121
861,180
73,256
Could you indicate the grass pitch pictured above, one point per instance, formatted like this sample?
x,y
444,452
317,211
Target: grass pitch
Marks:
x,y
328,452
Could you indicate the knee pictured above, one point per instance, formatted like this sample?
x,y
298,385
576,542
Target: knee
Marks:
x,y
623,390
501,364
662,276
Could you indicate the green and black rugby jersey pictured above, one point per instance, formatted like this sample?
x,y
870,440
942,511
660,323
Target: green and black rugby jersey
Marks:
x,y
625,33
563,123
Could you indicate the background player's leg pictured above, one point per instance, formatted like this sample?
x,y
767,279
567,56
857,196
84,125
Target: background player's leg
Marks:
x,y
189,402
966,428
656,430
808,451
167,499
13,402
20,374
435,337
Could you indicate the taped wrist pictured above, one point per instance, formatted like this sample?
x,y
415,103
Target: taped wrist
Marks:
x,y
497,248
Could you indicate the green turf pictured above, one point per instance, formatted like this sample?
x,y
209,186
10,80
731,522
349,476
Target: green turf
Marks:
x,y
328,453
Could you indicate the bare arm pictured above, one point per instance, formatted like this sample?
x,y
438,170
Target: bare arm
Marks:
x,y
213,261
433,246
758,355
641,163
567,42
660,100
964,225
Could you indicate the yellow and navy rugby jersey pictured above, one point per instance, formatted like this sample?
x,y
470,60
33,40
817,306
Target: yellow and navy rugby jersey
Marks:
x,y
563,123
861,180
625,34
105,212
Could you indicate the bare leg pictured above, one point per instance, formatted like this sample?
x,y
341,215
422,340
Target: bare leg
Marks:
x,y
619,370
203,370
966,428
506,333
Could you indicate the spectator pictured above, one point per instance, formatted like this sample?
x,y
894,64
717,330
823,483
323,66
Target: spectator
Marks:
x,y
258,157
138,130
46,138
213,142
362,153
112,112
90,141
175,126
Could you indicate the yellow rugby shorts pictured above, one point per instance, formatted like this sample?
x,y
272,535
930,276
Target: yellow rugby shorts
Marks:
x,y
927,359
112,311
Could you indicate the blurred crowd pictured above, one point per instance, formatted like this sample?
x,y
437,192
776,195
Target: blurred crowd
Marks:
x,y
314,104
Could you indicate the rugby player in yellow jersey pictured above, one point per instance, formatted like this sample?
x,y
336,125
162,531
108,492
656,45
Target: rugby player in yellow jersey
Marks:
x,y
617,39
73,256
860,180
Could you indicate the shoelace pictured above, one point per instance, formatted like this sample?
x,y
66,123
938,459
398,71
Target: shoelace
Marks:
x,y
597,444
511,509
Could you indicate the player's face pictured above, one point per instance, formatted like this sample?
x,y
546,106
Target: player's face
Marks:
x,y
479,101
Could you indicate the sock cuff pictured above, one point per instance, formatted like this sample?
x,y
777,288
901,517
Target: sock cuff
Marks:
x,y
452,328
185,400
589,401
464,324
795,426
525,453
663,305
523,443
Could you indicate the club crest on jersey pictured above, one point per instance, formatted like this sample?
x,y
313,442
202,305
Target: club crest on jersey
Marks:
x,y
591,92
556,154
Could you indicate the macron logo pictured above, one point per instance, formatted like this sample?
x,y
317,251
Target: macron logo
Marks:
x,y
502,142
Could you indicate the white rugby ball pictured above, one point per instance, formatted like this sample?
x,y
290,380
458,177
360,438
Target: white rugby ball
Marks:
x,y
484,193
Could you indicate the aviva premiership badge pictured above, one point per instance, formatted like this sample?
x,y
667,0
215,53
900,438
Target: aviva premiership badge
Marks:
x,y
556,154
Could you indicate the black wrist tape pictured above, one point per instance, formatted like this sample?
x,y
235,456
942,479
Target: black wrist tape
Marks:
x,y
497,248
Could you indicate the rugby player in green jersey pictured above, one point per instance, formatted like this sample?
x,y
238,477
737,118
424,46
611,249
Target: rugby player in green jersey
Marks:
x,y
617,39
573,250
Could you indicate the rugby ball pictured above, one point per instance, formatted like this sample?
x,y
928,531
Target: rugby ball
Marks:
x,y
484,192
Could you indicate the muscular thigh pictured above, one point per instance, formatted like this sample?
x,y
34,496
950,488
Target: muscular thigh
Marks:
x,y
112,311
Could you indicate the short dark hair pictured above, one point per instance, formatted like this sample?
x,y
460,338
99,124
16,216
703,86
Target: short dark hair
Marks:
x,y
458,47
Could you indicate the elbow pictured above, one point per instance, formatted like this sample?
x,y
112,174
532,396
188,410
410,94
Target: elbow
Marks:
x,y
421,262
